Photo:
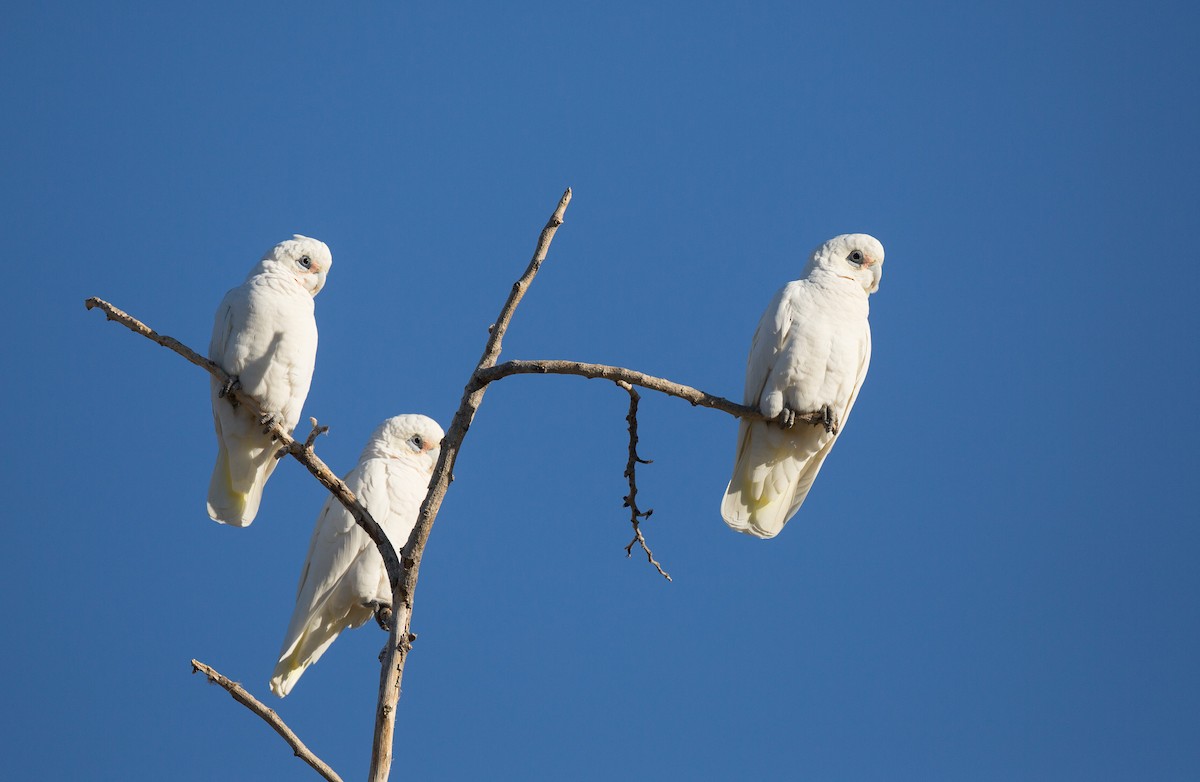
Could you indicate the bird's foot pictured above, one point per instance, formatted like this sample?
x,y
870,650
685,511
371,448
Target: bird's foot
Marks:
x,y
786,419
228,387
383,614
830,423
267,420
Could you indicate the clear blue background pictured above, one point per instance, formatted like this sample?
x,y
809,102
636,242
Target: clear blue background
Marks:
x,y
996,575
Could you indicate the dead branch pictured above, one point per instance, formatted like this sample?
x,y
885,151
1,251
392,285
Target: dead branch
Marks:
x,y
621,374
239,694
402,596
636,514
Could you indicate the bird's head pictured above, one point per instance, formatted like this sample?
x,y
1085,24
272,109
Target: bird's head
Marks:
x,y
306,259
857,257
415,437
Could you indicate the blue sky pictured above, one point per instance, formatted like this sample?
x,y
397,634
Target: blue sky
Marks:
x,y
995,576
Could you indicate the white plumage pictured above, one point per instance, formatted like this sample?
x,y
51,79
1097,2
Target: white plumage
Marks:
x,y
810,353
343,580
265,335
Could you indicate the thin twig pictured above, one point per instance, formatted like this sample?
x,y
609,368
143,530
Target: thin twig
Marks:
x,y
316,432
239,694
399,641
635,513
301,451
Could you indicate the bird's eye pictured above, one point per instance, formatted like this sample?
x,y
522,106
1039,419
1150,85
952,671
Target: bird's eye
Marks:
x,y
417,441
855,257
305,261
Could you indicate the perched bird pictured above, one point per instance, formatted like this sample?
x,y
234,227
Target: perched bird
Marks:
x,y
343,581
809,354
265,336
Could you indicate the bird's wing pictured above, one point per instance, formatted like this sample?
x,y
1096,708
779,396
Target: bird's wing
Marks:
x,y
768,340
761,470
245,459
864,364
327,600
224,324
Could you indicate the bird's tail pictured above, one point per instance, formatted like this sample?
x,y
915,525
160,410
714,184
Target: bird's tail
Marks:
x,y
771,477
236,487
294,660
306,643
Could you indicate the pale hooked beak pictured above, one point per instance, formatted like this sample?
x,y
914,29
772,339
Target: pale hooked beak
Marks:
x,y
320,279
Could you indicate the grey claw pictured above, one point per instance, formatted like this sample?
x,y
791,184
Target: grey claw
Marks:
x,y
383,615
227,388
787,419
267,420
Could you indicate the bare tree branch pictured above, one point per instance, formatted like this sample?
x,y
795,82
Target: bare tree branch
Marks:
x,y
635,513
239,694
621,374
301,451
399,639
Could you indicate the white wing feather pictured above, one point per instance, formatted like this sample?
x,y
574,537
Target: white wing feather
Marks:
x,y
344,574
768,339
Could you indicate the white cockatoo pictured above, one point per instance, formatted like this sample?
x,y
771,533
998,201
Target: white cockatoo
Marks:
x,y
265,336
343,581
809,354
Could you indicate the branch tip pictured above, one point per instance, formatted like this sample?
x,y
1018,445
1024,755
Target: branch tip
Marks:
x,y
316,432
268,715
